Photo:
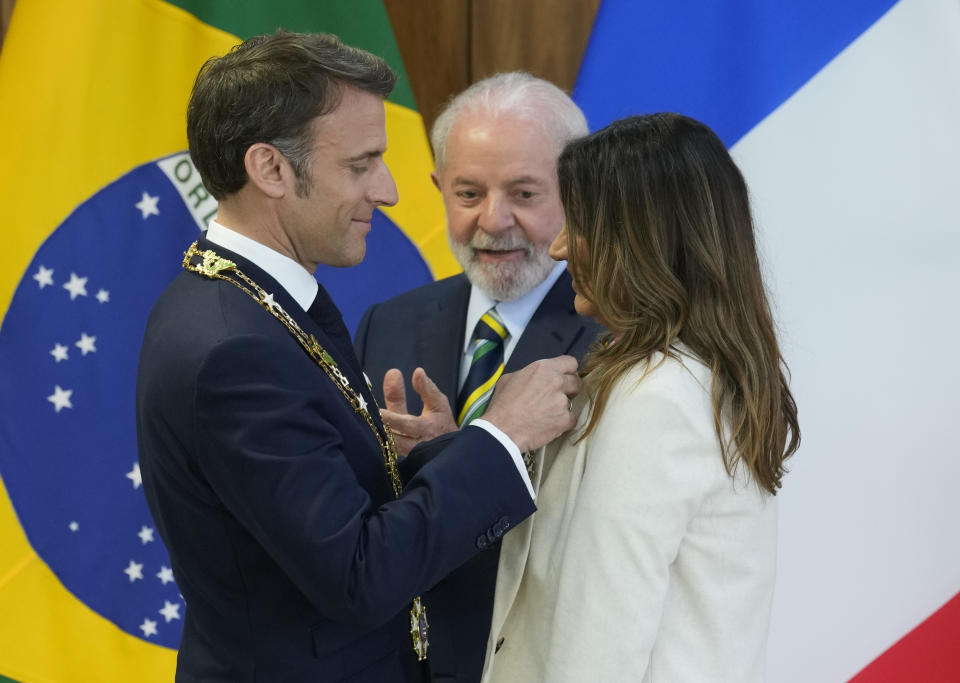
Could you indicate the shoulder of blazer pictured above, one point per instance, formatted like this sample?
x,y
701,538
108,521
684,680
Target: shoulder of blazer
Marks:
x,y
451,289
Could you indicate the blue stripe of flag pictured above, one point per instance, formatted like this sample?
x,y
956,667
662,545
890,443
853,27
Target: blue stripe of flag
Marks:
x,y
728,63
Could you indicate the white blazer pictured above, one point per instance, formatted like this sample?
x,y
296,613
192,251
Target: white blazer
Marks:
x,y
645,560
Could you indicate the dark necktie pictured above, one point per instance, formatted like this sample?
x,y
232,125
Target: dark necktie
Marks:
x,y
486,366
326,314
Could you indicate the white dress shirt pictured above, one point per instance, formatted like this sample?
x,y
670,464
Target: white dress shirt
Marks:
x,y
297,280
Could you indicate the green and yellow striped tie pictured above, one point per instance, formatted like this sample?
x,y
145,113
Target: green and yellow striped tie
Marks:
x,y
486,366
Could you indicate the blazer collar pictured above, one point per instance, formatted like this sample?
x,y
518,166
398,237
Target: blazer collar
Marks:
x,y
515,547
440,331
514,550
325,326
292,276
261,277
553,329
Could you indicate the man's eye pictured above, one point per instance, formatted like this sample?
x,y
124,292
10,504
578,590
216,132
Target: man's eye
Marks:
x,y
525,194
468,195
360,169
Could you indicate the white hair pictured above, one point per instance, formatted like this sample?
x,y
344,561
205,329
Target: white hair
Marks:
x,y
517,94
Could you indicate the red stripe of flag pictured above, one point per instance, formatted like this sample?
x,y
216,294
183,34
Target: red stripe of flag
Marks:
x,y
929,653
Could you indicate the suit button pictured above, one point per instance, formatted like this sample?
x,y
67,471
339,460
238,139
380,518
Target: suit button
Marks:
x,y
492,535
482,542
499,645
501,526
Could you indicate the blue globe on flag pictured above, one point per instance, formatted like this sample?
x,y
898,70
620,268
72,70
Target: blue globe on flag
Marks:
x,y
69,349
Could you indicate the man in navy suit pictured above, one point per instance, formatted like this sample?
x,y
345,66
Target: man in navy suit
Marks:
x,y
496,147
297,538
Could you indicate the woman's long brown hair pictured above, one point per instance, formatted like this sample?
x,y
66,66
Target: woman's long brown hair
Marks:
x,y
661,240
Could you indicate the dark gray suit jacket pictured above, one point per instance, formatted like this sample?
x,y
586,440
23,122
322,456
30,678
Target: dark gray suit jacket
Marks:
x,y
425,327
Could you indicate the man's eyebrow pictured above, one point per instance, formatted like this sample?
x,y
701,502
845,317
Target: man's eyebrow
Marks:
x,y
519,180
526,180
363,156
461,180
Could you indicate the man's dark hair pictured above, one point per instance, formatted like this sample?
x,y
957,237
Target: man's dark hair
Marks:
x,y
269,89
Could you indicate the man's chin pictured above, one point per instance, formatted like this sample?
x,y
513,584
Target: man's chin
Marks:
x,y
505,281
348,259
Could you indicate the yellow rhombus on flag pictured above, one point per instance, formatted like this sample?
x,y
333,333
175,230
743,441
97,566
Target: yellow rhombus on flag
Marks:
x,y
99,202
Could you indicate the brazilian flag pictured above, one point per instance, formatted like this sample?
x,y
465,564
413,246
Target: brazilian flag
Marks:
x,y
99,201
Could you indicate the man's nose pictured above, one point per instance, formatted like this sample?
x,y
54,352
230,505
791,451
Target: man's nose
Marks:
x,y
497,214
384,189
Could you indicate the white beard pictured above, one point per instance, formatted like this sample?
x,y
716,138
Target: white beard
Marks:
x,y
504,281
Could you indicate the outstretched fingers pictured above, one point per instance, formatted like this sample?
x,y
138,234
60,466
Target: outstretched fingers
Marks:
x,y
394,393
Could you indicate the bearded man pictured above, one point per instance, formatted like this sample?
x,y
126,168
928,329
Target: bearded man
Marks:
x,y
440,349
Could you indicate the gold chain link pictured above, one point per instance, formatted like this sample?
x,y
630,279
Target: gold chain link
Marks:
x,y
213,266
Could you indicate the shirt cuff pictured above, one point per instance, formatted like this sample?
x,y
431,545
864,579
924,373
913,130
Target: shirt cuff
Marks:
x,y
512,449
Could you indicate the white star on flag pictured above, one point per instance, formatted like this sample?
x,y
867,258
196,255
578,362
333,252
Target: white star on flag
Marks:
x,y
134,475
77,286
103,296
59,352
60,398
86,343
146,535
73,526
149,628
134,570
165,575
44,277
170,611
148,206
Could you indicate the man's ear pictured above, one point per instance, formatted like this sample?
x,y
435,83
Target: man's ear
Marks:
x,y
435,179
268,170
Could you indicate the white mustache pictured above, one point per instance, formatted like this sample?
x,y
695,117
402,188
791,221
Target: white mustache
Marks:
x,y
506,242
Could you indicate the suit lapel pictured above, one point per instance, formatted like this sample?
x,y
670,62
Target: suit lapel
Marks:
x,y
515,548
553,329
326,324
324,321
325,313
513,556
441,321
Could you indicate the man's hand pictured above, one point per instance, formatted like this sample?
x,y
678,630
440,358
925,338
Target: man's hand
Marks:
x,y
409,430
532,406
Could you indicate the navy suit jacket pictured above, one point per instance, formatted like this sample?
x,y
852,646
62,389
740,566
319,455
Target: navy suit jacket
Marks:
x,y
425,327
294,559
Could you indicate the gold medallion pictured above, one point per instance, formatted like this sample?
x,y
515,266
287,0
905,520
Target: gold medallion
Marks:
x,y
419,629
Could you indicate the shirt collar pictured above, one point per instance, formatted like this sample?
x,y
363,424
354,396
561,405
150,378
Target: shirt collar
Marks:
x,y
515,314
300,284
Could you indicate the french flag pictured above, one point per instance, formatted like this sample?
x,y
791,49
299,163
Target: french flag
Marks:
x,y
844,116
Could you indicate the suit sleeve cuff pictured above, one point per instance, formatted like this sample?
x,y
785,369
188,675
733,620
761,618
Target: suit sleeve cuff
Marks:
x,y
512,449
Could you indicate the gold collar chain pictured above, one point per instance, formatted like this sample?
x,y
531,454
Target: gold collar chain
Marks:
x,y
214,266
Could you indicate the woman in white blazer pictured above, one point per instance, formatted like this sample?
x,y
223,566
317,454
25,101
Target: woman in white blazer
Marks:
x,y
652,554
